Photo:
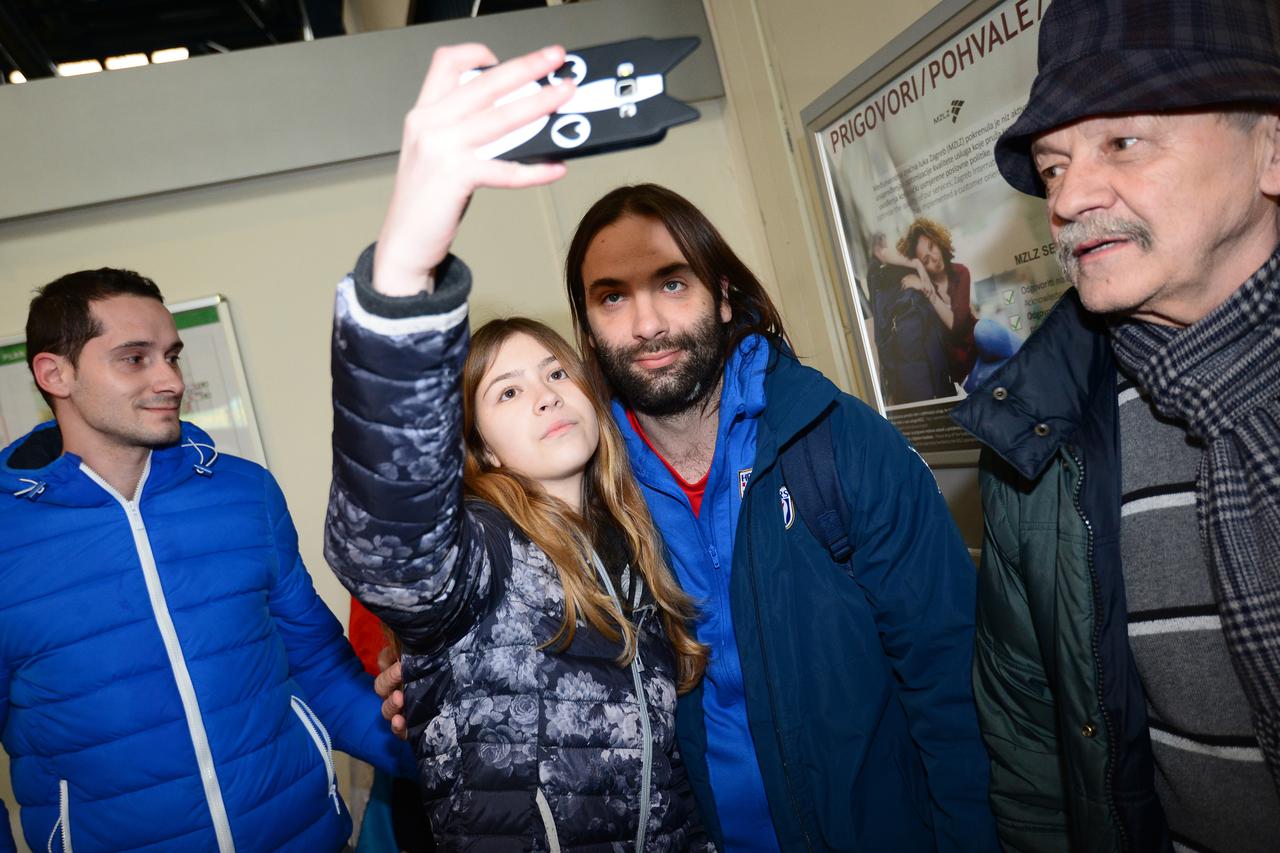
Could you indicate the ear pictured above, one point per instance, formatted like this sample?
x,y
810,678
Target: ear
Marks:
x,y
1269,180
54,374
492,460
726,310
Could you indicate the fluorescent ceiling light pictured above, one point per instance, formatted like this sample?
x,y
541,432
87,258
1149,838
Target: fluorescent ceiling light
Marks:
x,y
81,66
170,54
129,60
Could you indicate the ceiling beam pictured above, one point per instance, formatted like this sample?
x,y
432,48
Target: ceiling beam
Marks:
x,y
21,47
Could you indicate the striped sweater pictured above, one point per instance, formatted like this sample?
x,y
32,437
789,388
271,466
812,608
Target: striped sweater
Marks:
x,y
1210,776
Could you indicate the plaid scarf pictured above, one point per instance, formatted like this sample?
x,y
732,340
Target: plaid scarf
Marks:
x,y
1221,377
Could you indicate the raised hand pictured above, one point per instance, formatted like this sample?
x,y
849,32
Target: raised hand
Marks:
x,y
439,166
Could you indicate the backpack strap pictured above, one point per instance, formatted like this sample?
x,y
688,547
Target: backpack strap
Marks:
x,y
809,470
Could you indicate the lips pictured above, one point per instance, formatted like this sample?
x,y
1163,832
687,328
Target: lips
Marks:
x,y
653,361
1090,247
558,428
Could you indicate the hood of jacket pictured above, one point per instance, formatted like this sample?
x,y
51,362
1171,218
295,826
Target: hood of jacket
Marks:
x,y
35,467
1037,401
797,396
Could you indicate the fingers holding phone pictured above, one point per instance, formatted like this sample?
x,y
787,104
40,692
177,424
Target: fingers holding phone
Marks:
x,y
441,162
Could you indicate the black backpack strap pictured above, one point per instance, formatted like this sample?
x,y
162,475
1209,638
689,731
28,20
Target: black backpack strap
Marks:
x,y
809,471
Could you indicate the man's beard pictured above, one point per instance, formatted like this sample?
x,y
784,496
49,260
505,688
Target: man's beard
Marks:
x,y
1096,228
677,387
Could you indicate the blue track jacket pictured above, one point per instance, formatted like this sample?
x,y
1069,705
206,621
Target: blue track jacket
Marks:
x,y
169,679
853,681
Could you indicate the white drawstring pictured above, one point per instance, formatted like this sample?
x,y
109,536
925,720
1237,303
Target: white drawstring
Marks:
x,y
203,467
32,491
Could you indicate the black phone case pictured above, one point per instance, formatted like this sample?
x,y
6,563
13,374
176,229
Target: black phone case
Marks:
x,y
626,123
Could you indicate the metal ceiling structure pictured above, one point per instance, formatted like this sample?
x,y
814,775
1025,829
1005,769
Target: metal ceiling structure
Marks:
x,y
37,35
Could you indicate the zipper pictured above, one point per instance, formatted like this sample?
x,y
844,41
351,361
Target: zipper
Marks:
x,y
1094,640
637,666
63,823
177,663
319,736
548,821
773,703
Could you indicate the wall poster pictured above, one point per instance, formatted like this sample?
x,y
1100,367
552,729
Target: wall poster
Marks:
x,y
216,397
946,268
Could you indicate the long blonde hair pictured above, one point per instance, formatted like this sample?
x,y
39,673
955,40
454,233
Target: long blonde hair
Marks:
x,y
611,499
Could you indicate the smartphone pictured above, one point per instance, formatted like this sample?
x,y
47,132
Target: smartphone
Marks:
x,y
621,102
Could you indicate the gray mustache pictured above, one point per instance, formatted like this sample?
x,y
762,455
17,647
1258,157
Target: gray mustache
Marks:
x,y
1095,228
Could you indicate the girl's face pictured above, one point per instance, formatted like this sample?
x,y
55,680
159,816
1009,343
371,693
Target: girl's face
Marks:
x,y
534,420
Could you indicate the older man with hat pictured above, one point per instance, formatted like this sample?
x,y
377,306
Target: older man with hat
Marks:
x,y
1128,646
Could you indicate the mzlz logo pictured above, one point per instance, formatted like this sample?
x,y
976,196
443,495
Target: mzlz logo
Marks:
x,y
744,477
953,113
788,510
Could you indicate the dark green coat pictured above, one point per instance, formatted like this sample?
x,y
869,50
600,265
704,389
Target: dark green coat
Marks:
x,y
1061,707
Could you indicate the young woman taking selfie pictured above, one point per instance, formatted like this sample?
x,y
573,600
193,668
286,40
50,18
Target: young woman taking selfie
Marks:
x,y
483,508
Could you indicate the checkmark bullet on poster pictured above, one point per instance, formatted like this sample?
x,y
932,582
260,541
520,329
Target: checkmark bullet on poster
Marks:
x,y
1008,297
1016,322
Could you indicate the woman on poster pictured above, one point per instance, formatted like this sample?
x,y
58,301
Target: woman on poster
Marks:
x,y
923,317
927,248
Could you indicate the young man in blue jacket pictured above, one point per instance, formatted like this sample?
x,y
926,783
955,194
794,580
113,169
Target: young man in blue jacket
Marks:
x,y
169,678
837,712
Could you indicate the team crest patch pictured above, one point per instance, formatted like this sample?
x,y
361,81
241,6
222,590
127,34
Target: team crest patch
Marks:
x,y
788,508
744,477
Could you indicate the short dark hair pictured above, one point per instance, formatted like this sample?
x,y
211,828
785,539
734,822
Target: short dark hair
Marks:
x,y
710,257
60,321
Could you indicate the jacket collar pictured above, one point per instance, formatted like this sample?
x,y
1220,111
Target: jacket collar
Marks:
x,y
1037,401
41,471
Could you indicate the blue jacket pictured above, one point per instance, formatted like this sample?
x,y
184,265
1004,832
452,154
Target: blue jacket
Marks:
x,y
1060,701
169,679
854,682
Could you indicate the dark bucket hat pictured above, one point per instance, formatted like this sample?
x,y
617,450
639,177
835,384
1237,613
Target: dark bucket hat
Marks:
x,y
1102,57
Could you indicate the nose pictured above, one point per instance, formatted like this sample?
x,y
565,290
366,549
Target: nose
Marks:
x,y
647,321
548,399
1084,187
167,379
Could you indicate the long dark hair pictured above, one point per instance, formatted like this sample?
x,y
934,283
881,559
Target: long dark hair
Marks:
x,y
702,246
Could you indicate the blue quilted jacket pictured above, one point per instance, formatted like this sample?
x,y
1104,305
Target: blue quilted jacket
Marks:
x,y
169,679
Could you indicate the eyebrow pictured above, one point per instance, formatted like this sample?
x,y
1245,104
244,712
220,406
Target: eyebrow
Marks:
x,y
513,373
661,272
1037,148
176,347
